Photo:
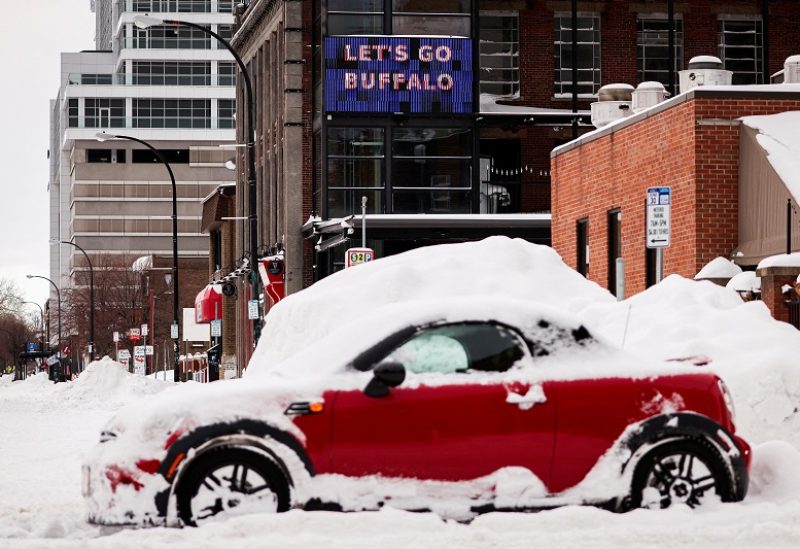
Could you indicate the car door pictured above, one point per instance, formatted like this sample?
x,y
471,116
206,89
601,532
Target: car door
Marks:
x,y
459,415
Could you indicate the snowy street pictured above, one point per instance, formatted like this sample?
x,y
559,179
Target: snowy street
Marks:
x,y
47,428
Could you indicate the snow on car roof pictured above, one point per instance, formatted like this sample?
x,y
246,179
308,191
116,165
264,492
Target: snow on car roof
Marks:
x,y
505,279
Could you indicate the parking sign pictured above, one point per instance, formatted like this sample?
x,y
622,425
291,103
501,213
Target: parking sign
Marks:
x,y
658,222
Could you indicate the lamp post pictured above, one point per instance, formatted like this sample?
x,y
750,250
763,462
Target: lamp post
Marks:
x,y
91,297
58,293
146,21
176,329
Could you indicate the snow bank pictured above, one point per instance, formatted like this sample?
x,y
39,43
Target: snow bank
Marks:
x,y
496,267
719,267
746,281
755,354
780,260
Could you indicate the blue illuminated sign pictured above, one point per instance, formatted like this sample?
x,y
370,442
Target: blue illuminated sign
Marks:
x,y
387,74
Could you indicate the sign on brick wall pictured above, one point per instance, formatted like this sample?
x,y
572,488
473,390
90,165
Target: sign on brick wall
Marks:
x,y
658,223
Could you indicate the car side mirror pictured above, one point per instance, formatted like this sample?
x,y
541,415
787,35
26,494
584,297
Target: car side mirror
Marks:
x,y
385,375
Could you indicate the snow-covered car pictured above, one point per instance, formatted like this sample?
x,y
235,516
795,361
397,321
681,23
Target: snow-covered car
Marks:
x,y
511,406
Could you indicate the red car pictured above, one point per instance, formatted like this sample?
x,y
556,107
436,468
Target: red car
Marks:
x,y
458,413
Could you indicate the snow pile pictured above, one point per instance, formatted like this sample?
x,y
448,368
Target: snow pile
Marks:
x,y
779,135
491,269
109,381
719,267
755,354
780,260
746,281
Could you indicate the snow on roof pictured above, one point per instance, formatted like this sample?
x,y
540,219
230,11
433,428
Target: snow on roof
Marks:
x,y
781,260
498,277
746,281
779,135
719,267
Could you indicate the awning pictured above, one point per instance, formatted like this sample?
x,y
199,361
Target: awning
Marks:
x,y
208,304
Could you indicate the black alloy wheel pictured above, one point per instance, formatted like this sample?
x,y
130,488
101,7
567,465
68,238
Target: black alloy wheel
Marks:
x,y
681,472
227,482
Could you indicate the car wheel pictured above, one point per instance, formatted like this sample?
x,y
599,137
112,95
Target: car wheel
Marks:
x,y
227,482
681,472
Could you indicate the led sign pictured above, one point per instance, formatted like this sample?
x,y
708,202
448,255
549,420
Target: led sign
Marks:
x,y
386,74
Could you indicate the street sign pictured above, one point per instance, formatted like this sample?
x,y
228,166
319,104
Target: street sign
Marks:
x,y
216,328
31,347
658,221
124,357
148,350
116,337
139,360
357,256
144,329
173,330
252,309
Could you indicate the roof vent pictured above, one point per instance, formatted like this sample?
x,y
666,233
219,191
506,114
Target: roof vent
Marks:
x,y
614,102
704,70
648,94
791,70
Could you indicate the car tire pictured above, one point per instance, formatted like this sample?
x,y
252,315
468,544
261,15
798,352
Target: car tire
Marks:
x,y
227,478
684,471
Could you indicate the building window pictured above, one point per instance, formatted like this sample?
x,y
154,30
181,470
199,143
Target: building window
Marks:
x,y
101,156
95,79
355,17
171,113
227,73
167,37
73,113
171,73
431,170
614,247
173,156
431,17
741,49
588,54
104,113
652,48
355,169
225,113
499,52
226,32
582,247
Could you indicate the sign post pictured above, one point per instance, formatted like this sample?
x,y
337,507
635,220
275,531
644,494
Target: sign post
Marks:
x,y
658,224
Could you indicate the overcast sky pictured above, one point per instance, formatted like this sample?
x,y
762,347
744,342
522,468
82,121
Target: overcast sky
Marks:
x,y
32,37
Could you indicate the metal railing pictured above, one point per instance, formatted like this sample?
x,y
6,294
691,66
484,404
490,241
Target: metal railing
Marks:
x,y
177,6
166,122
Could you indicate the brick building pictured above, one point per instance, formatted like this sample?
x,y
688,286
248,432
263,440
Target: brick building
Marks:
x,y
446,167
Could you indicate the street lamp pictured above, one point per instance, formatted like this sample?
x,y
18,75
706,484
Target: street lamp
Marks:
x,y
103,136
58,293
146,21
91,295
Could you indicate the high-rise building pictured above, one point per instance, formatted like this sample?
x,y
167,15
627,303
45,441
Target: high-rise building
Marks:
x,y
172,86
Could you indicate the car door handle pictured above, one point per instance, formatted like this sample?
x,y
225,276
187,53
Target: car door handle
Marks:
x,y
535,395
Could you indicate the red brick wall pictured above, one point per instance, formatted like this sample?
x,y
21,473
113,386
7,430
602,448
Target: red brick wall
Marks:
x,y
699,162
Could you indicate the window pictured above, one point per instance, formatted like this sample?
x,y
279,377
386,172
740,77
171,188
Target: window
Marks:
x,y
355,17
168,37
436,17
171,73
178,6
104,113
98,156
499,52
173,156
741,49
227,73
355,169
652,47
431,170
614,247
73,113
226,32
460,348
95,79
588,54
171,113
225,111
582,247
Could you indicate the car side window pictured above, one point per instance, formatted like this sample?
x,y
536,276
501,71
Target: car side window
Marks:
x,y
458,348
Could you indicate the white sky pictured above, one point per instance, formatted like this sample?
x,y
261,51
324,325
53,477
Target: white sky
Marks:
x,y
32,37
